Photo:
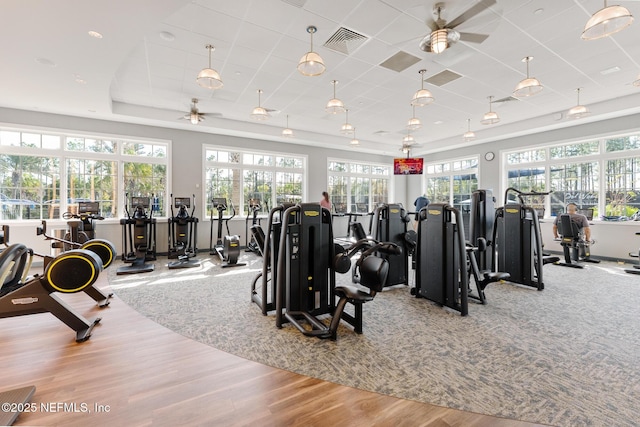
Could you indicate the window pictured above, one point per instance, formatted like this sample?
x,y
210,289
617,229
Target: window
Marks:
x,y
357,187
43,175
452,182
246,178
573,172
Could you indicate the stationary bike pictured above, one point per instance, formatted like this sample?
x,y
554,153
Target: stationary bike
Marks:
x,y
228,249
138,238
183,232
82,225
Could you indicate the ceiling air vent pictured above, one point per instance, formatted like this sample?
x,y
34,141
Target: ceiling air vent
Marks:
x,y
345,41
296,3
504,100
442,78
400,61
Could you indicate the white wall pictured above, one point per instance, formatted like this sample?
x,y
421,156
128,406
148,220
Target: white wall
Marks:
x,y
614,240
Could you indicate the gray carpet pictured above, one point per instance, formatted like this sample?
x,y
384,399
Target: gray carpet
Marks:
x,y
565,356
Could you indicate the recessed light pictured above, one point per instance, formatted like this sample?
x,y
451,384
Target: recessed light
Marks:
x,y
610,70
79,79
438,122
95,34
45,61
538,11
167,36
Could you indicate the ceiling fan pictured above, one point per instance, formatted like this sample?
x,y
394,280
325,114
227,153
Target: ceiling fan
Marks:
x,y
444,34
194,116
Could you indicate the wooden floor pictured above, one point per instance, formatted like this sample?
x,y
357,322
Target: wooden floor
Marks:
x,y
134,372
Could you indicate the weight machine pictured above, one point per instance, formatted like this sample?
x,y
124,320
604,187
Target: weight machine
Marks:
x,y
441,274
389,224
518,242
227,249
307,262
138,238
269,245
183,232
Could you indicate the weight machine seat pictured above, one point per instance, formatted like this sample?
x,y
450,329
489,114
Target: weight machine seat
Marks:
x,y
485,277
373,275
572,240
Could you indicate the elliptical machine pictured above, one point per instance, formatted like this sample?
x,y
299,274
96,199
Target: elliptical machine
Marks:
x,y
138,238
228,249
252,214
183,231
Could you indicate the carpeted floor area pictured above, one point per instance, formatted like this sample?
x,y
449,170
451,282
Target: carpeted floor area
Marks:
x,y
566,356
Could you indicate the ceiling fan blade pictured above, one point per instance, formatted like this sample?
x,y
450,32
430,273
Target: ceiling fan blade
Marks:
x,y
470,13
473,37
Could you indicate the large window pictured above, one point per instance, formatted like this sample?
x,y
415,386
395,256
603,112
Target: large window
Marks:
x,y
573,173
452,182
43,175
357,187
245,178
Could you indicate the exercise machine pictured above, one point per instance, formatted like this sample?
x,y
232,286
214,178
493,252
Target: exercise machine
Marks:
x,y
82,224
183,232
138,238
70,272
441,274
481,218
252,216
104,249
307,262
517,241
227,248
263,289
574,245
636,267
389,224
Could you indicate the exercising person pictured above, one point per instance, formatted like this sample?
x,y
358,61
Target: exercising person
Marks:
x,y
580,220
325,202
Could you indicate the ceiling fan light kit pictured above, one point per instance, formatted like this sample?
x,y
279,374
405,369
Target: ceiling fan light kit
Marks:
x,y
607,21
439,42
208,77
311,64
194,115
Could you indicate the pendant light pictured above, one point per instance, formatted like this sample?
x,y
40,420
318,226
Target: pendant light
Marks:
x,y
422,97
529,86
334,106
311,64
259,113
469,135
579,110
354,140
491,117
607,21
287,132
408,139
208,77
347,128
414,122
